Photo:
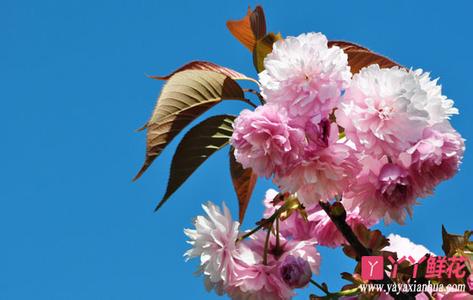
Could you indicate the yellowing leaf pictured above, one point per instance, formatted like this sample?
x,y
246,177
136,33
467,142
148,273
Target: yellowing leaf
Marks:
x,y
249,29
196,146
244,181
262,48
360,57
184,97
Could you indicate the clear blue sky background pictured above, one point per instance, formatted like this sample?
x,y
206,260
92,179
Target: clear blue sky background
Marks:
x,y
73,89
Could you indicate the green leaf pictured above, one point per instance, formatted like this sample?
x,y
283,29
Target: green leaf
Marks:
x,y
196,146
262,48
360,57
184,97
244,181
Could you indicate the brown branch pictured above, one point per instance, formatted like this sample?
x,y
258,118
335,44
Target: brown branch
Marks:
x,y
345,229
338,216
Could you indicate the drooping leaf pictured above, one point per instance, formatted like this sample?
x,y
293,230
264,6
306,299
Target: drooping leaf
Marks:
x,y
183,98
360,57
196,146
244,181
263,47
249,29
205,65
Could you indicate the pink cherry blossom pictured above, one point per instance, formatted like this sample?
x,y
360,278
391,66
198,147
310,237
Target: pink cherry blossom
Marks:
x,y
454,296
434,158
305,76
214,241
260,281
268,202
294,226
386,110
327,234
382,189
295,271
322,174
265,141
305,249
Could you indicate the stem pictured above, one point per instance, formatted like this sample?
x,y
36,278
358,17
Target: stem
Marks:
x,y
261,99
336,295
277,232
320,286
254,230
263,223
266,245
347,232
350,292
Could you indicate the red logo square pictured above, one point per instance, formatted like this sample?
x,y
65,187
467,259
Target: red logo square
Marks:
x,y
372,267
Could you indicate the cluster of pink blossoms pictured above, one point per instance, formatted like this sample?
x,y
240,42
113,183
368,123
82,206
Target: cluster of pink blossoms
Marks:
x,y
378,140
239,268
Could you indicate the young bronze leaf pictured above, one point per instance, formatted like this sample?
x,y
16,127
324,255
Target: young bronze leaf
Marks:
x,y
184,97
196,146
205,65
244,181
452,242
258,22
249,29
263,47
360,57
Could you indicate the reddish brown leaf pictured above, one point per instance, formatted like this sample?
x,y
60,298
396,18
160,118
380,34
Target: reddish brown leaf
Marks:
x,y
196,146
360,57
206,66
258,22
186,96
244,181
249,29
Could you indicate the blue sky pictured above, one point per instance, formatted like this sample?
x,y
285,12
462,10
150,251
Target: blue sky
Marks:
x,y
73,90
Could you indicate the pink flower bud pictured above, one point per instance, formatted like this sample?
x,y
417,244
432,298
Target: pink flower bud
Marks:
x,y
295,271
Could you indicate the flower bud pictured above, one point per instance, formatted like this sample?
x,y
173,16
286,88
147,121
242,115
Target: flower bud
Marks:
x,y
295,271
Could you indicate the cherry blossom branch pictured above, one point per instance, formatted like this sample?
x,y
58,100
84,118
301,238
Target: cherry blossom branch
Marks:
x,y
337,214
335,295
339,219
266,244
321,287
254,230
263,223
277,233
